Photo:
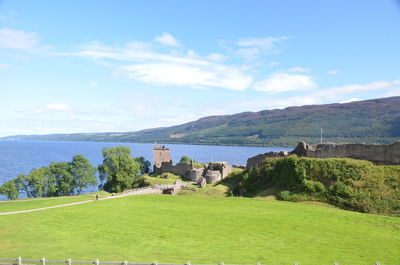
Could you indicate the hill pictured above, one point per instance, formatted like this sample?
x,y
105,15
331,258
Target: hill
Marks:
x,y
201,230
370,121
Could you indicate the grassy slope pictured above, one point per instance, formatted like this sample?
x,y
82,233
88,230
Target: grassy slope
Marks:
x,y
202,230
347,183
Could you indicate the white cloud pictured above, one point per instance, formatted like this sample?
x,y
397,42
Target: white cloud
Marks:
x,y
92,83
272,64
299,69
343,94
190,75
284,82
18,39
264,43
217,57
349,100
139,61
3,66
167,39
333,72
249,53
252,48
358,88
57,106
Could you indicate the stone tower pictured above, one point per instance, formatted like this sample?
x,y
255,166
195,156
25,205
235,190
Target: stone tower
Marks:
x,y
161,154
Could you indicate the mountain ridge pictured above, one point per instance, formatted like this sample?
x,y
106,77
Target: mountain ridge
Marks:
x,y
370,121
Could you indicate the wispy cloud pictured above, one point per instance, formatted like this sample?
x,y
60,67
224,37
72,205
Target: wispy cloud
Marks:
x,y
285,82
167,39
3,66
298,69
333,72
18,39
252,48
58,106
343,94
141,62
212,75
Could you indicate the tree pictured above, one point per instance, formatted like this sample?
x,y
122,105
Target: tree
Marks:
x,y
58,179
144,164
184,159
10,189
119,170
84,174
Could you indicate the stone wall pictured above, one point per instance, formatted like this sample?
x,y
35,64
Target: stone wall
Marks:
x,y
180,169
386,154
213,173
257,160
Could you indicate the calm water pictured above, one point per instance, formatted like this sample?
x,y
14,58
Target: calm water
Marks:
x,y
19,157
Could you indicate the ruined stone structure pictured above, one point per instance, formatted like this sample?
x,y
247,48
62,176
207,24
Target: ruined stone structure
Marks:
x,y
257,160
210,173
386,154
161,154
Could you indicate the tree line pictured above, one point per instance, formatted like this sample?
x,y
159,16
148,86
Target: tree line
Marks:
x,y
118,172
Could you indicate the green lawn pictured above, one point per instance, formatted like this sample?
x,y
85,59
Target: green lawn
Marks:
x,y
202,230
27,204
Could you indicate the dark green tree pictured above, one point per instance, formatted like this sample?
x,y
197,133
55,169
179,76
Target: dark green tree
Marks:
x,y
119,170
144,164
83,173
184,159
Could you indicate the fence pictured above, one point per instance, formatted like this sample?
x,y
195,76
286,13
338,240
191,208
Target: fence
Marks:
x,y
43,261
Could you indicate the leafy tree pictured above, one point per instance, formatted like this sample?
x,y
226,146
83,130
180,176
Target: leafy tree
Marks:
x,y
144,164
184,159
84,174
119,170
60,182
10,189
58,179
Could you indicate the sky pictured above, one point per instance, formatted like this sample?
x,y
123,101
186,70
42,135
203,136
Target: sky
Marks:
x,y
116,66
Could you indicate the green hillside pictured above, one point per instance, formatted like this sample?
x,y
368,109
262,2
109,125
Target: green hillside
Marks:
x,y
201,230
370,121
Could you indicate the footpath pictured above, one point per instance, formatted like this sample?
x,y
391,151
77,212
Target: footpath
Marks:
x,y
157,189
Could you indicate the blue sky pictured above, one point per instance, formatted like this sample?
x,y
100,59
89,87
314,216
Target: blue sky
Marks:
x,y
98,66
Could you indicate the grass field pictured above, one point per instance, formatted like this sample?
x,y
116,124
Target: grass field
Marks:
x,y
27,204
202,230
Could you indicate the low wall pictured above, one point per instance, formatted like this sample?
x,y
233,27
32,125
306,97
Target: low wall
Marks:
x,y
387,154
384,154
167,167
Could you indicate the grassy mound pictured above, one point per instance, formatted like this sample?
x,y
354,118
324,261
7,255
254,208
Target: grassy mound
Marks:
x,y
203,230
347,183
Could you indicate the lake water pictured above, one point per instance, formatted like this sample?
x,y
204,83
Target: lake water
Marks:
x,y
19,157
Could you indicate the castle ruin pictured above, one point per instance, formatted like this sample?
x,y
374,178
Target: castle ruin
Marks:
x,y
161,154
210,173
